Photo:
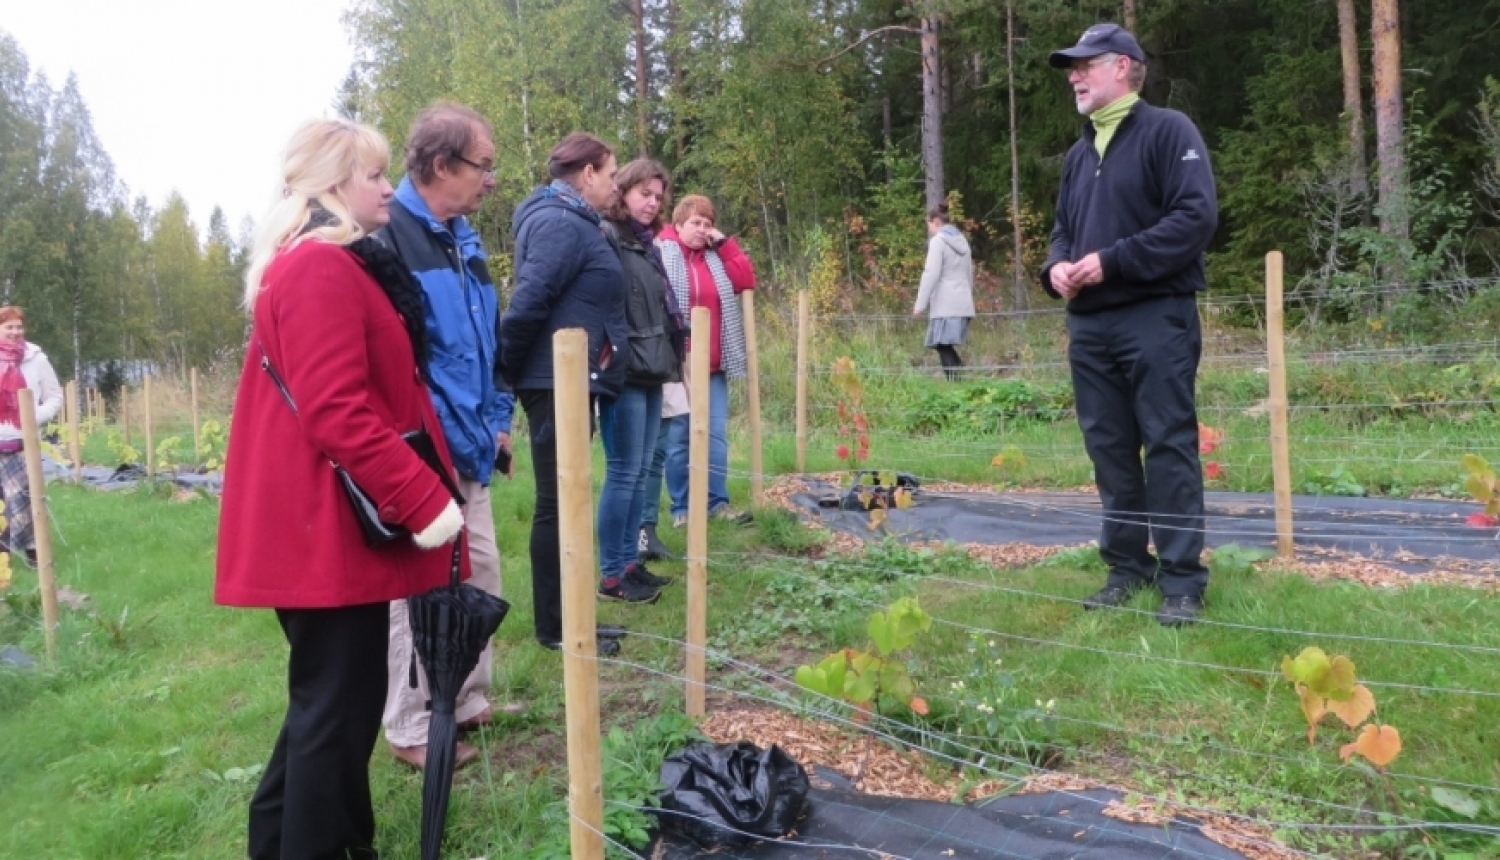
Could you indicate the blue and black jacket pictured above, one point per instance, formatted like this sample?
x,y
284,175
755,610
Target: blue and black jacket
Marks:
x,y
1148,208
567,276
462,328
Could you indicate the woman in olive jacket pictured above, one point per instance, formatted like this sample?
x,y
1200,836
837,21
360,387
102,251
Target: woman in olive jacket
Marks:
x,y
630,422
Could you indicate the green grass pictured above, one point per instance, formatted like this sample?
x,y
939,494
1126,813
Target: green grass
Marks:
x,y
144,741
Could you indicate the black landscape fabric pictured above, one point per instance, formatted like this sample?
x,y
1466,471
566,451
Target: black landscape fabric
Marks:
x,y
1405,534
844,824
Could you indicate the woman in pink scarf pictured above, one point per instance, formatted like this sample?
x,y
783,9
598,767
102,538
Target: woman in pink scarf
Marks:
x,y
22,365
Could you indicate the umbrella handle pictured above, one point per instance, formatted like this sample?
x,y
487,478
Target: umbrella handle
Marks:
x,y
457,566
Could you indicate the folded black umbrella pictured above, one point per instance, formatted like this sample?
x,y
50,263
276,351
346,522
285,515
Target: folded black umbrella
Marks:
x,y
450,626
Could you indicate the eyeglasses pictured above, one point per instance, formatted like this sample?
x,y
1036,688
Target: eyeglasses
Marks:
x,y
489,172
1083,68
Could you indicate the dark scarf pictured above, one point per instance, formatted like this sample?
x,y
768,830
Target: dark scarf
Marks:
x,y
395,281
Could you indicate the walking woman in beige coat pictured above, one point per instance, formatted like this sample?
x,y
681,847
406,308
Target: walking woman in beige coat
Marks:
x,y
947,291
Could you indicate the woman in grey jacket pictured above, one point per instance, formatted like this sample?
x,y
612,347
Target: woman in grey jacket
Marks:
x,y
947,290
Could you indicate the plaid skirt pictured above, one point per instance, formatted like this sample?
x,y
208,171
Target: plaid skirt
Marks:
x,y
947,331
17,501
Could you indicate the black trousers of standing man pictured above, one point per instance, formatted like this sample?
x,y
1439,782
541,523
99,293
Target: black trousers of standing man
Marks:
x,y
313,801
1134,370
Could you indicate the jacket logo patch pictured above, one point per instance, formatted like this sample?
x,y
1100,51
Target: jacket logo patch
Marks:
x,y
1191,155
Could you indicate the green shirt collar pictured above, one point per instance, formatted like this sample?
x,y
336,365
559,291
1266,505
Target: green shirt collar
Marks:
x,y
1107,119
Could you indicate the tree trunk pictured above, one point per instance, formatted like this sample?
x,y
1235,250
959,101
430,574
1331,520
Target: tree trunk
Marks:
x,y
676,74
642,69
1354,109
1130,16
932,112
1018,284
1389,145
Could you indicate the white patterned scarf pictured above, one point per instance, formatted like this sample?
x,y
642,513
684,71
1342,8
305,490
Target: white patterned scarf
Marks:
x,y
733,359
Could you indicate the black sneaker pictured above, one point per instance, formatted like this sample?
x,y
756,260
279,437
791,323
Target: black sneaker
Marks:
x,y
625,589
642,575
1179,610
604,647
1108,597
650,547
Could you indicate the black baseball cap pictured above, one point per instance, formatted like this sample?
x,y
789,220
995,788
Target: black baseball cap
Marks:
x,y
1096,40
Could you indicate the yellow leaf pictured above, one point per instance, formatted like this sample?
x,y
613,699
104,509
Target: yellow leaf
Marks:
x,y
1357,709
1338,684
877,518
997,460
1379,744
1313,709
1475,464
903,498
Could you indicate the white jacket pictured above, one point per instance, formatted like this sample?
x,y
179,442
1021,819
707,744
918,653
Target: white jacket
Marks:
x,y
948,279
42,381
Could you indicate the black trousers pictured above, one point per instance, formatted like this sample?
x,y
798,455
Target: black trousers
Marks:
x,y
546,553
948,355
313,801
1134,370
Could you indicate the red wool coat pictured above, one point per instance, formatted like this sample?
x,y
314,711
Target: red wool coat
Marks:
x,y
287,534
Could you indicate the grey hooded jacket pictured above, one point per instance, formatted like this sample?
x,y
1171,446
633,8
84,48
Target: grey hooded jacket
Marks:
x,y
948,278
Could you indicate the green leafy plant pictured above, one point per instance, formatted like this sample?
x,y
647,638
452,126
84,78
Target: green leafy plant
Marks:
x,y
1337,481
1326,685
875,679
168,451
212,441
1234,560
854,426
987,407
990,711
1480,483
123,452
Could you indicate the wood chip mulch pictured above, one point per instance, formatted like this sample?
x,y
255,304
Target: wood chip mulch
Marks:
x,y
874,767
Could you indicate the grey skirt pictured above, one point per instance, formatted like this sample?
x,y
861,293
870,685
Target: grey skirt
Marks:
x,y
947,331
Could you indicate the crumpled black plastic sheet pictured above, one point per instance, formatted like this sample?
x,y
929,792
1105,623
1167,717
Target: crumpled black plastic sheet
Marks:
x,y
844,824
1407,534
731,794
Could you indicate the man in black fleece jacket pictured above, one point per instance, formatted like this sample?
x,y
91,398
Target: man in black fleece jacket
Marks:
x,y
1135,213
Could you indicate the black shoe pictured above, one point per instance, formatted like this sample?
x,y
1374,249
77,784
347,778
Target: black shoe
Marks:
x,y
1108,597
643,576
604,647
650,547
610,631
625,589
1179,610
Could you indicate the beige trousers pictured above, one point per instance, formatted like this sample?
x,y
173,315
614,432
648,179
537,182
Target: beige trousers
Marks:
x,y
406,713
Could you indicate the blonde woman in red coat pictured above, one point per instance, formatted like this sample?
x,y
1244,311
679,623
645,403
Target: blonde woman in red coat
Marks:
x,y
339,320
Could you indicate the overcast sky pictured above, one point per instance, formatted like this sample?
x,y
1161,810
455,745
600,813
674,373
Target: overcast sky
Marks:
x,y
199,96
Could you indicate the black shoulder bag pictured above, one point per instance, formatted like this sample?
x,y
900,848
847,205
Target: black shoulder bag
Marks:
x,y
366,511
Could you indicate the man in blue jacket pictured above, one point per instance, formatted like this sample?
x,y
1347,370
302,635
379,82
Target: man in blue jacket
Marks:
x,y
1136,211
450,161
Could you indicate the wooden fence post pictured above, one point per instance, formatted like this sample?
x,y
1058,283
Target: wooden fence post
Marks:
x,y
1281,456
75,448
804,342
36,483
752,356
125,413
579,581
193,396
146,426
697,537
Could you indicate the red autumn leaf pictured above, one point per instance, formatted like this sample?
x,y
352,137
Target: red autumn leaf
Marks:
x,y
841,452
860,423
1208,438
1212,470
843,411
1482,520
1379,744
919,705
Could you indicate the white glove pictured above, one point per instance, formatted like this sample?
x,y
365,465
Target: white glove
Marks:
x,y
441,530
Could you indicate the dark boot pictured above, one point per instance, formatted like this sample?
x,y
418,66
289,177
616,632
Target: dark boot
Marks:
x,y
650,546
951,361
31,558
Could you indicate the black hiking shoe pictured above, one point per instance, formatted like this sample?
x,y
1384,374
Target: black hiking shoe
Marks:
x,y
1108,597
1179,610
627,590
650,547
642,576
604,647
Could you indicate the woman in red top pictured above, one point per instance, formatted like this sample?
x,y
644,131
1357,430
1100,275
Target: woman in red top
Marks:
x,y
707,270
340,321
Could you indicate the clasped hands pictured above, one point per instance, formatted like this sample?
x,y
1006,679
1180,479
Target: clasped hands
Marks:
x,y
1069,278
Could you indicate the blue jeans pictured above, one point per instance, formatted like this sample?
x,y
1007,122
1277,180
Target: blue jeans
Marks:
x,y
651,507
628,425
718,451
